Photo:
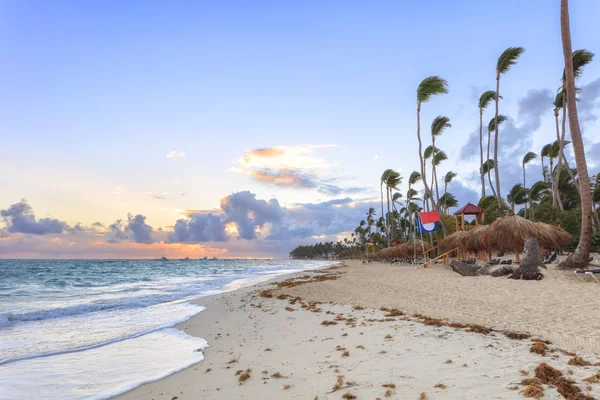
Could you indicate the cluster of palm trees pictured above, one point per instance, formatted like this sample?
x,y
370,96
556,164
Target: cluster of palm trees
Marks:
x,y
565,195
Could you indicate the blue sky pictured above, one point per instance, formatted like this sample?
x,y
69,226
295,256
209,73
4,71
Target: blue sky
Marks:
x,y
97,94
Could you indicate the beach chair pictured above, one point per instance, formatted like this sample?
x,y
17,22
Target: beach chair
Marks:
x,y
509,262
590,272
551,258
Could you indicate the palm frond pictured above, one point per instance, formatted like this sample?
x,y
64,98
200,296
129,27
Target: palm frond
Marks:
x,y
396,196
448,200
430,87
581,58
414,178
558,100
530,156
412,194
428,152
486,97
439,125
492,123
517,194
546,150
449,176
487,166
538,189
508,58
393,179
385,174
439,156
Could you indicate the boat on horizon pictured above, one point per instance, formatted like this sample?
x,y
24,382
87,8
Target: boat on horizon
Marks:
x,y
185,259
163,258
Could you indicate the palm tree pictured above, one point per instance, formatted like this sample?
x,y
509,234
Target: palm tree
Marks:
x,y
370,217
506,60
484,100
429,87
384,177
544,153
536,193
488,165
393,179
517,195
527,158
411,194
448,201
438,126
492,126
448,178
580,257
581,58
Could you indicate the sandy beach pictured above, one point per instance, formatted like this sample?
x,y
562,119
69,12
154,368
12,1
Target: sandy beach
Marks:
x,y
352,331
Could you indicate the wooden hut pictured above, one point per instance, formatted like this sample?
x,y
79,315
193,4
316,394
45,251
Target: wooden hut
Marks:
x,y
469,209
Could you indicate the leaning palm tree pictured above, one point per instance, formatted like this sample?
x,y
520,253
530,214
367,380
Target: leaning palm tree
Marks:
x,y
527,158
493,126
484,100
580,257
438,126
507,59
429,87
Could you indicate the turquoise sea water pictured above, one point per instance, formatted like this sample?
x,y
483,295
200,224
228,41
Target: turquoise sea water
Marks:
x,y
90,329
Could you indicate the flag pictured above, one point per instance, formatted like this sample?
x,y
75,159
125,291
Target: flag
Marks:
x,y
428,222
369,244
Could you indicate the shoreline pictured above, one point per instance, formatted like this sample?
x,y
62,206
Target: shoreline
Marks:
x,y
286,351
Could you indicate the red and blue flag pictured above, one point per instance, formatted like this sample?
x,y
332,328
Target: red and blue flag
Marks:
x,y
428,222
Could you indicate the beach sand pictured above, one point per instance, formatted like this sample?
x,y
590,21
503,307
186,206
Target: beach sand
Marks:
x,y
292,354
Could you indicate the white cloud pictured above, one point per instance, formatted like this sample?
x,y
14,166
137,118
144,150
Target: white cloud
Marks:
x,y
376,157
176,154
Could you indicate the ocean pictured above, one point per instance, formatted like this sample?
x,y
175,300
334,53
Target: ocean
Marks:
x,y
91,329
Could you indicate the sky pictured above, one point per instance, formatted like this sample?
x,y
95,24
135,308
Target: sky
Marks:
x,y
243,129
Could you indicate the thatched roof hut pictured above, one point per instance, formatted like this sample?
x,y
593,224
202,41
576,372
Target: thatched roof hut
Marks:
x,y
510,232
472,242
404,250
452,241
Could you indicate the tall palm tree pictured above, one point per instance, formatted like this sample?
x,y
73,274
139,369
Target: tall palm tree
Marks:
x,y
507,59
412,180
484,100
393,179
580,257
438,126
581,58
448,178
554,152
429,87
384,177
527,158
493,126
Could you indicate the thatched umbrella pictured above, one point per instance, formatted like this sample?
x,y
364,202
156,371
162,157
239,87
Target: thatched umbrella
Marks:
x,y
452,241
472,241
555,235
510,232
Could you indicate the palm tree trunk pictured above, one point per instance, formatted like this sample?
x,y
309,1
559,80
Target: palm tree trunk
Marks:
x,y
387,218
554,204
481,153
434,171
489,173
525,212
381,186
496,169
543,169
423,169
579,258
561,149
